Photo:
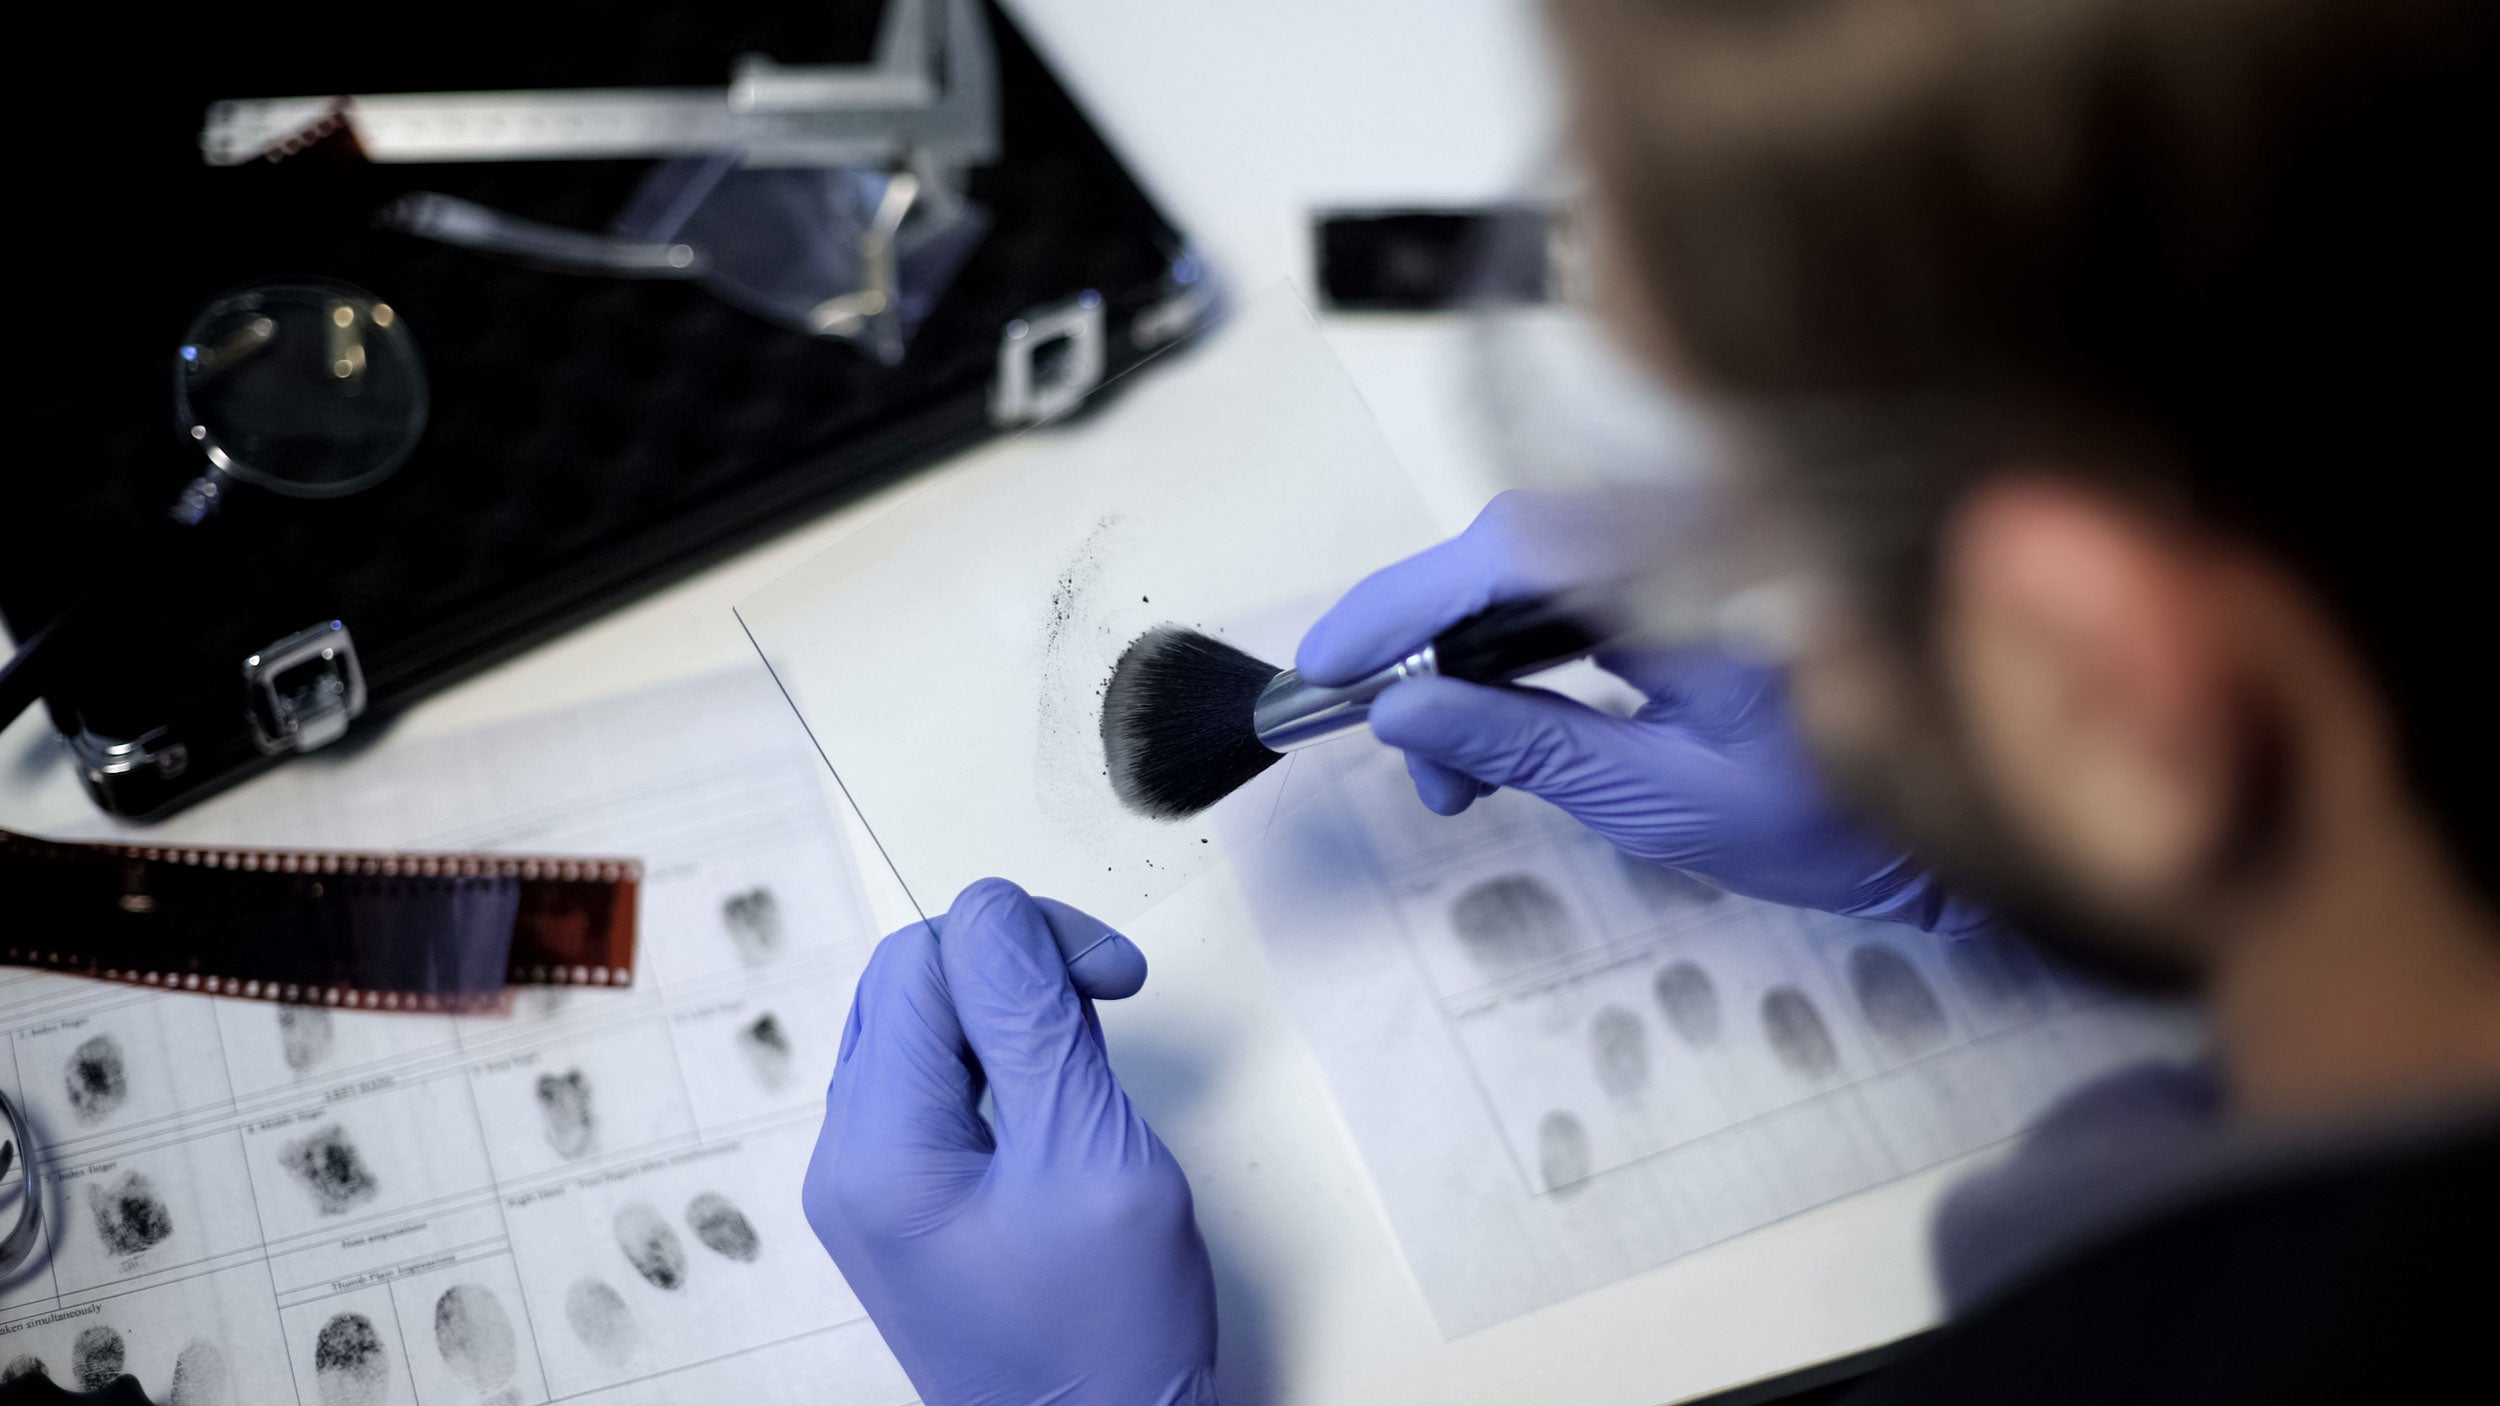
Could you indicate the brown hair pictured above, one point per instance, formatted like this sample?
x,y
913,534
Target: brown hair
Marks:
x,y
2250,240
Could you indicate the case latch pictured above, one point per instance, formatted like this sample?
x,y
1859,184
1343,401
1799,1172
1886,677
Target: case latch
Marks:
x,y
302,692
1049,361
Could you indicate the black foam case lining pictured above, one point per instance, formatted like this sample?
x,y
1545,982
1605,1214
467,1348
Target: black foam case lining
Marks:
x,y
589,438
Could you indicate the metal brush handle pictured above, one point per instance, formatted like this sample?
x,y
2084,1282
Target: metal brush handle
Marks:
x,y
1493,646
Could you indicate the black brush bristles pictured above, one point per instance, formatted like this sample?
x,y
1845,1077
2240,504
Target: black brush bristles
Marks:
x,y
1176,722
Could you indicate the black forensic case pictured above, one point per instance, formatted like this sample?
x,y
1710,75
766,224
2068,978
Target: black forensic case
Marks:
x,y
590,438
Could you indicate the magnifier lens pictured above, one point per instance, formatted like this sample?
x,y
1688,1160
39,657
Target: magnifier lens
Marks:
x,y
311,390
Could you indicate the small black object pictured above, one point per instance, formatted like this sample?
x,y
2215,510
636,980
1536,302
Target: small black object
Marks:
x,y
1429,260
35,1389
1503,642
1176,722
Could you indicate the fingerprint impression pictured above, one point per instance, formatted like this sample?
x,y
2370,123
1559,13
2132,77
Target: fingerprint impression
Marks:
x,y
201,1377
130,1218
1689,1002
351,1366
1998,976
475,1337
329,1167
1799,1039
1511,923
97,1077
723,1228
306,1035
766,1045
564,1110
754,922
599,1317
1619,1051
1562,1152
651,1246
1894,998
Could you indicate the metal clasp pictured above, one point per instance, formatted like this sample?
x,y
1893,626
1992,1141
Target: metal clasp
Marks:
x,y
1049,361
302,692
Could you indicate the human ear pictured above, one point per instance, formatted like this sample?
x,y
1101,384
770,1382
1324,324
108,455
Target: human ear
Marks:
x,y
2085,656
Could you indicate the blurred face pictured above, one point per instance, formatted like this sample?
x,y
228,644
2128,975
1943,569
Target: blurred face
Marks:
x,y
1894,743
2066,737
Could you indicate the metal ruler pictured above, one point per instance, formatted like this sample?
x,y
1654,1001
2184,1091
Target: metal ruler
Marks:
x,y
930,93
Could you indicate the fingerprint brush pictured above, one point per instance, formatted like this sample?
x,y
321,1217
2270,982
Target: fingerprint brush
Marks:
x,y
1188,719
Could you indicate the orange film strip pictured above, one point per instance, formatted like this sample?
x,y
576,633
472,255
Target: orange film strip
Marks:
x,y
368,930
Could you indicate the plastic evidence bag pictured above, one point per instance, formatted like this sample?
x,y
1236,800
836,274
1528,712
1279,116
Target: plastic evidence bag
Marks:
x,y
949,657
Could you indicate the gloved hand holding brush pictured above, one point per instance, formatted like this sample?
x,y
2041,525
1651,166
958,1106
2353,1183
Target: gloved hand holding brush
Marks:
x,y
1709,776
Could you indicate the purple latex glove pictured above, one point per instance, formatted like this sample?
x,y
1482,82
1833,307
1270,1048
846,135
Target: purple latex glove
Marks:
x,y
1709,776
1052,1257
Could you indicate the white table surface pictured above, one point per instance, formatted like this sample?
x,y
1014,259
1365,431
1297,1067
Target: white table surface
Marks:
x,y
1242,118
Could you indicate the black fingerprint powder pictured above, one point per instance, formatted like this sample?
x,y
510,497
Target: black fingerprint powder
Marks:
x,y
1998,976
351,1367
1689,1002
25,1364
1797,1034
305,1034
475,1336
1619,1051
1900,1009
96,1357
129,1217
564,1107
1562,1151
1511,922
651,1247
97,1078
754,922
767,1049
201,1377
329,1167
722,1227
599,1318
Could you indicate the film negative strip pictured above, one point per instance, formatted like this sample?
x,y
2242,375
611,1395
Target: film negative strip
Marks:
x,y
374,931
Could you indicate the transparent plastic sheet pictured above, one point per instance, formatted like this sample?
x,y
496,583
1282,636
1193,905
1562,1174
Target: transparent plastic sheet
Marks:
x,y
948,658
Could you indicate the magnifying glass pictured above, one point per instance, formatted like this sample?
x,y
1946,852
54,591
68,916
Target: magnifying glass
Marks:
x,y
27,1227
304,388
310,390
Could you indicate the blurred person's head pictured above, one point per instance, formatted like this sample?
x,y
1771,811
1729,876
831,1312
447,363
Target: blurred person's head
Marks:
x,y
2130,357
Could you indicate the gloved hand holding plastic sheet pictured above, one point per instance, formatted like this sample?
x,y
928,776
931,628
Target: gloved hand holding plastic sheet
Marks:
x,y
1051,1253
